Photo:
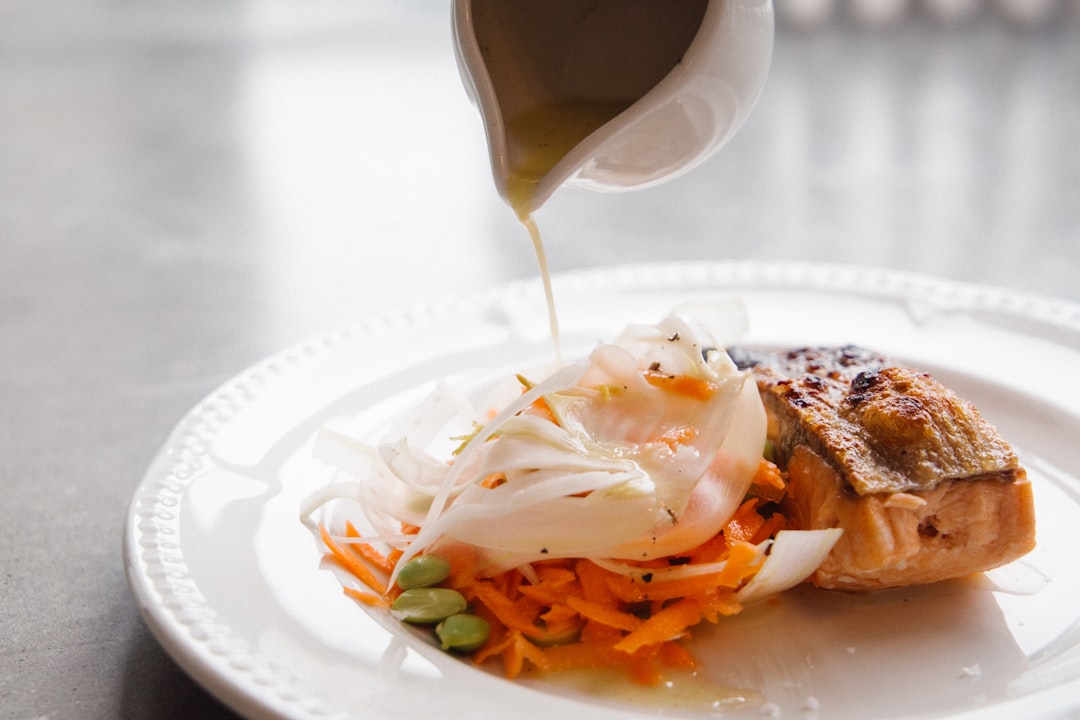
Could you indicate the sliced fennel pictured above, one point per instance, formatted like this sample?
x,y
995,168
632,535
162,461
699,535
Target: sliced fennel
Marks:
x,y
793,557
644,450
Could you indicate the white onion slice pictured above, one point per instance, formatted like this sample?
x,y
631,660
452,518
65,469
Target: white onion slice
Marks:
x,y
793,557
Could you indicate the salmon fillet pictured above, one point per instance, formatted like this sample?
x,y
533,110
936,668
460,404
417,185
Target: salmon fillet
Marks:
x,y
924,488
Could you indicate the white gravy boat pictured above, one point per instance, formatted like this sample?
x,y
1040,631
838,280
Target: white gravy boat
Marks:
x,y
678,79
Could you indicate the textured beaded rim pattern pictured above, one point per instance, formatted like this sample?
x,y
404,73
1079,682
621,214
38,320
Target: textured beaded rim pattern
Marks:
x,y
170,598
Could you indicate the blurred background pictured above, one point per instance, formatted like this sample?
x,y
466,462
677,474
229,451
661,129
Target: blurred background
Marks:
x,y
187,187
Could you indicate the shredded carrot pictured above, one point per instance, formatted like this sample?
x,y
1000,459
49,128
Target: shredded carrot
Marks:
x,y
496,644
368,552
593,631
668,624
652,583
557,572
568,614
506,611
676,436
682,384
769,474
772,525
550,593
593,580
768,482
520,651
643,668
544,411
740,565
674,655
560,622
605,615
349,561
746,521
366,598
719,604
493,480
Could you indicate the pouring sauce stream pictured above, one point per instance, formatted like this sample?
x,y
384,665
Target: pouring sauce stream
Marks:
x,y
539,137
561,70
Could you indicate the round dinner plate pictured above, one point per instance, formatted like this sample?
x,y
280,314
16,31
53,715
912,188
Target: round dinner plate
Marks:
x,y
229,579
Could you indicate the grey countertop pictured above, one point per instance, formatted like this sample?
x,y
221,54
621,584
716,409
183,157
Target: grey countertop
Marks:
x,y
187,187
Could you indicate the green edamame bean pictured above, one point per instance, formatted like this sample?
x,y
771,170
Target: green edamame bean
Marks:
x,y
423,571
463,632
427,605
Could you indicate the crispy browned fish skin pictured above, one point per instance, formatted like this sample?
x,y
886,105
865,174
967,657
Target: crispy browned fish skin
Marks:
x,y
924,487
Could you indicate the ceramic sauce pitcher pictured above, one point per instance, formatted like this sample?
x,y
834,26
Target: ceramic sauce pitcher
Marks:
x,y
608,94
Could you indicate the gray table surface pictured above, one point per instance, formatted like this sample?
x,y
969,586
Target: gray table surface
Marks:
x,y
187,187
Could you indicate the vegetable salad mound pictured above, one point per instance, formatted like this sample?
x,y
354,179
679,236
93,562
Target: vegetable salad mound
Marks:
x,y
591,522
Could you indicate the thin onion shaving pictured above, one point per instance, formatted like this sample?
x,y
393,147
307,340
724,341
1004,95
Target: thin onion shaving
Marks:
x,y
794,556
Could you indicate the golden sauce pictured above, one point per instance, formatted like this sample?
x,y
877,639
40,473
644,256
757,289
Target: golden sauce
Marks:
x,y
545,277
682,691
538,139
542,135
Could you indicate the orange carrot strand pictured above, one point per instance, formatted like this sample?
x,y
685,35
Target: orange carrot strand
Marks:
x,y
368,551
350,562
675,656
669,623
740,565
506,611
604,614
682,385
368,599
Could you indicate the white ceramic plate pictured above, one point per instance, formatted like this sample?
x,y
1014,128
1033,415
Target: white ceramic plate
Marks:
x,y
229,580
